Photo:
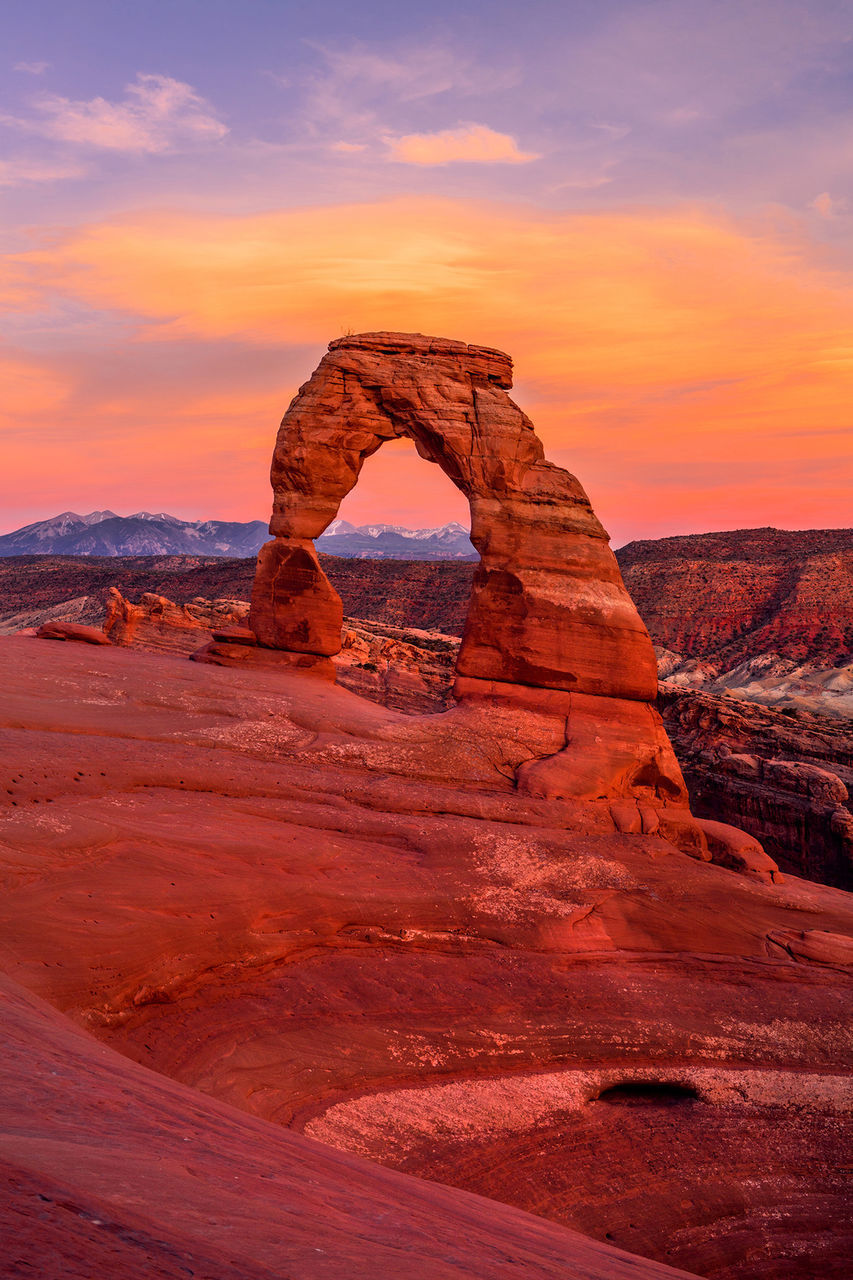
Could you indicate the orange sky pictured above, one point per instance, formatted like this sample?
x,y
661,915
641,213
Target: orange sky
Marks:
x,y
693,369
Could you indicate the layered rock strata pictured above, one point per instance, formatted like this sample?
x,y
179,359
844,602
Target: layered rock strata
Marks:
x,y
550,624
733,596
405,668
786,779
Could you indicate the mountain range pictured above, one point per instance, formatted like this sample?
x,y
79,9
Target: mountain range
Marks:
x,y
393,542
103,533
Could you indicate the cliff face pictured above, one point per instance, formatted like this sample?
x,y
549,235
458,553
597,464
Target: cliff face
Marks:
x,y
753,591
786,780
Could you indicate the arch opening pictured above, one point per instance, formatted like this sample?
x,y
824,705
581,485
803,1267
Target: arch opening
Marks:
x,y
403,612
398,489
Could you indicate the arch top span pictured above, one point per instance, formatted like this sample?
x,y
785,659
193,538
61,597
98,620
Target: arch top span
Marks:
x,y
548,606
493,365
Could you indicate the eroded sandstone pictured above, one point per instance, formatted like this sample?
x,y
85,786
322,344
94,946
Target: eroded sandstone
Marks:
x,y
549,612
786,779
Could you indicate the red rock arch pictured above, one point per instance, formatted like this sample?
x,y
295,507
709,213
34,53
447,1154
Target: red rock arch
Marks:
x,y
548,606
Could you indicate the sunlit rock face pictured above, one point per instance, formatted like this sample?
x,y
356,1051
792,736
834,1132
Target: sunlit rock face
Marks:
x,y
549,612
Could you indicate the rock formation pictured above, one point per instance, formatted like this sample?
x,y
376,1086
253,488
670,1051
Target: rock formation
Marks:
x,y
111,1170
782,778
550,624
429,595
72,631
490,947
158,623
408,669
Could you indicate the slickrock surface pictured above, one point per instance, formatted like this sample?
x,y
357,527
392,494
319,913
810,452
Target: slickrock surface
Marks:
x,y
550,628
350,922
110,1170
737,758
786,779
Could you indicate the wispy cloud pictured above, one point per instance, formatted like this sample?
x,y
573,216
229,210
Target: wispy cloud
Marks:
x,y
353,92
673,337
23,172
32,68
469,143
157,114
406,74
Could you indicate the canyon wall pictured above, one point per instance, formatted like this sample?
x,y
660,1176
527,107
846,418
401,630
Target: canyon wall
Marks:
x,y
747,592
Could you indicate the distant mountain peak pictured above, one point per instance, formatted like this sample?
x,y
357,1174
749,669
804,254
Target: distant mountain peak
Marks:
x,y
146,533
96,517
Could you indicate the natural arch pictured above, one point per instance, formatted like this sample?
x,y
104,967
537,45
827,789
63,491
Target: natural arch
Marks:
x,y
548,606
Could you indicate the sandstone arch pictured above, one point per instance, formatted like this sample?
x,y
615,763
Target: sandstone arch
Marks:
x,y
548,606
551,629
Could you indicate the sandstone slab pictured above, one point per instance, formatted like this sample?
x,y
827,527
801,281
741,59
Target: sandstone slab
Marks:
x,y
299,903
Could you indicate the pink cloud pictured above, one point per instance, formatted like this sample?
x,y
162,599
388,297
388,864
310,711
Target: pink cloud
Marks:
x,y
469,143
826,206
22,172
158,114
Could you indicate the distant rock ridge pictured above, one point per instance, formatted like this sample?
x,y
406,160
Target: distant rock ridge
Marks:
x,y
738,594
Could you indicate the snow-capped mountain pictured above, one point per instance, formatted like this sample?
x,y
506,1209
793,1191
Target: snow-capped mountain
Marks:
x,y
394,542
103,533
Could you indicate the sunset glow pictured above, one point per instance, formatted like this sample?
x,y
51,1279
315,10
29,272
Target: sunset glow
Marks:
x,y
685,346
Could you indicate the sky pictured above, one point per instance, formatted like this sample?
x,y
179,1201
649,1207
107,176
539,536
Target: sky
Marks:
x,y
649,205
